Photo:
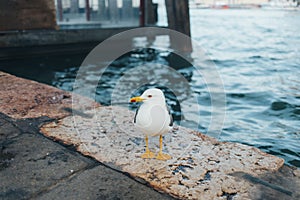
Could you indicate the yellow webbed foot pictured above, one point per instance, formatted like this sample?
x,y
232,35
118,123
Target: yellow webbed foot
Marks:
x,y
162,156
148,154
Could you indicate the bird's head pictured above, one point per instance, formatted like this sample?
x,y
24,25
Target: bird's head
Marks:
x,y
150,95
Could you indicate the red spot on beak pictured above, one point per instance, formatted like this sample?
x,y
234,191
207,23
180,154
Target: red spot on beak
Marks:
x,y
132,100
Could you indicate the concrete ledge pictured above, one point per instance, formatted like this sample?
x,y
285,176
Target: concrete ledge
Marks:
x,y
201,168
54,37
29,43
20,98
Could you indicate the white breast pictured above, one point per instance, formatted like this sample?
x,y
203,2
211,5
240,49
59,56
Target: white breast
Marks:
x,y
153,119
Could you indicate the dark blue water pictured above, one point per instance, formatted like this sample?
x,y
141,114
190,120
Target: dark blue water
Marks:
x,y
257,54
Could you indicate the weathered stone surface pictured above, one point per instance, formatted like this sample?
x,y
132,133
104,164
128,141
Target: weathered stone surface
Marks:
x,y
31,163
102,183
20,98
7,130
201,167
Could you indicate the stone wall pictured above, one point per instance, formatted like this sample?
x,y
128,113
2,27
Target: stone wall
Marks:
x,y
25,14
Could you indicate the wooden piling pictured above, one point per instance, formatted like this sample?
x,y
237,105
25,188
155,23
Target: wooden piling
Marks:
x,y
150,16
179,20
87,10
142,12
178,16
60,10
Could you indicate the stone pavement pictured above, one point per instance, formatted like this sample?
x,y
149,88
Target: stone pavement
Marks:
x,y
33,166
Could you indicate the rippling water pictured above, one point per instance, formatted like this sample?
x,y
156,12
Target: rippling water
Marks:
x,y
257,54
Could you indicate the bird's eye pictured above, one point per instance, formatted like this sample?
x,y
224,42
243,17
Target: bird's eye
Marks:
x,y
149,96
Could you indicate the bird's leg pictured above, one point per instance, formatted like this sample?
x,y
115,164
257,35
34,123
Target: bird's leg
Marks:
x,y
161,155
148,153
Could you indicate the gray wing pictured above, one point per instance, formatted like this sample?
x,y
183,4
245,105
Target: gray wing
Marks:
x,y
136,112
171,118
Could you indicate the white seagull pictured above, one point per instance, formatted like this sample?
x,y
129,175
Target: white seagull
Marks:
x,y
153,118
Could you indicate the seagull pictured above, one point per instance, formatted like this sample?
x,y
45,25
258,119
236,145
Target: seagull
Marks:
x,y
153,118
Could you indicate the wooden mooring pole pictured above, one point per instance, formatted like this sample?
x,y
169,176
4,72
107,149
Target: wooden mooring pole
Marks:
x,y
60,10
87,10
179,20
150,14
142,13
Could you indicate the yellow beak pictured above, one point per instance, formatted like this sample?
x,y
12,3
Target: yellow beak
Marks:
x,y
136,99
